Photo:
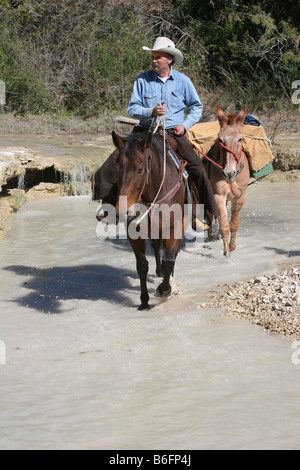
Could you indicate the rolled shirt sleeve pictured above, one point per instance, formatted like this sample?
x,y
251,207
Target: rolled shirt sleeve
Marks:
x,y
195,106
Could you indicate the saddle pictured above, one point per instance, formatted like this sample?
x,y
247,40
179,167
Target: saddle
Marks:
x,y
192,193
193,198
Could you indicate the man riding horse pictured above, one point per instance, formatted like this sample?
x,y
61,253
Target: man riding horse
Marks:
x,y
163,91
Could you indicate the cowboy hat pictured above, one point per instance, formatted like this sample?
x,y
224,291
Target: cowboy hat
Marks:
x,y
166,45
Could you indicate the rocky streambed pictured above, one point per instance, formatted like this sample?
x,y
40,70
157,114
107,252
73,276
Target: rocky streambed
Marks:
x,y
48,167
45,167
270,301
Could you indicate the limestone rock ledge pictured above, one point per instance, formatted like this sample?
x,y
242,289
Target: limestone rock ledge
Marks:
x,y
43,191
8,206
27,176
15,161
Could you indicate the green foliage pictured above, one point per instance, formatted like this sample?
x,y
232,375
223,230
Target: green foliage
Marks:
x,y
74,55
113,64
82,56
252,48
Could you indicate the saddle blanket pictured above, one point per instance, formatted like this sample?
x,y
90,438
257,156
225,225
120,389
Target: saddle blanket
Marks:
x,y
177,163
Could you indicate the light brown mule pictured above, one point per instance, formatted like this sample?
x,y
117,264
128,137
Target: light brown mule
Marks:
x,y
229,174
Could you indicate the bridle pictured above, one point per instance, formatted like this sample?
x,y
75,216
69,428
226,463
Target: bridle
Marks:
x,y
238,158
218,165
221,166
170,194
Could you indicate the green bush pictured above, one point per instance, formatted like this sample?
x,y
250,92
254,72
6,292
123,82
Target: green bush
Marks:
x,y
252,49
82,56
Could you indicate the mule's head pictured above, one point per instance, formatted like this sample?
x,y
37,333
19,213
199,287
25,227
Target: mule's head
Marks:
x,y
230,139
132,170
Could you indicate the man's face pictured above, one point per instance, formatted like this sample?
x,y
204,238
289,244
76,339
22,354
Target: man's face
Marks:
x,y
161,63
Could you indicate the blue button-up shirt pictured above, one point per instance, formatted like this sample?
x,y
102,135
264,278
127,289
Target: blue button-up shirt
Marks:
x,y
178,92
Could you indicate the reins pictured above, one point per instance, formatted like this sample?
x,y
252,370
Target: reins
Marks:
x,y
170,194
238,158
208,159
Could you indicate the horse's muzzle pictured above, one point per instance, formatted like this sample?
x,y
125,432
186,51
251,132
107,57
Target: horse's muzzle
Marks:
x,y
230,175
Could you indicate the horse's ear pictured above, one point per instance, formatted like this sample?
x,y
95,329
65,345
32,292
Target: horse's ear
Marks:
x,y
145,142
118,141
242,114
220,115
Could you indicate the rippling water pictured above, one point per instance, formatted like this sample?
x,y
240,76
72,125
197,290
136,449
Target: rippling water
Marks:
x,y
85,369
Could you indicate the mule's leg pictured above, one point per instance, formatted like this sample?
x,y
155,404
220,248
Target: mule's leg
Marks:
x,y
209,221
170,250
236,207
142,266
156,248
224,224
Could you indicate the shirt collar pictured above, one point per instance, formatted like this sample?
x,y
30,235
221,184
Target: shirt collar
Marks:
x,y
170,77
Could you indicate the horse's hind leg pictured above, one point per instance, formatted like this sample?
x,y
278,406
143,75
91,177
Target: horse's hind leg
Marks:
x,y
156,248
142,266
170,248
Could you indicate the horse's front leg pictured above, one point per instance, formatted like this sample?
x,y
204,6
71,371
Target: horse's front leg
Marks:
x,y
223,221
236,207
170,250
142,266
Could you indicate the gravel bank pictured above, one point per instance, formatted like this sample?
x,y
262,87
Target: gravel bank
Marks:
x,y
270,301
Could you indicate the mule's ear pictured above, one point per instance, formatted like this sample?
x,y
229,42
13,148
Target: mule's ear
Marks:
x,y
220,115
242,114
118,141
145,142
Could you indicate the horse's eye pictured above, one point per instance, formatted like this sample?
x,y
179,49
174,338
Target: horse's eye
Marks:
x,y
140,171
240,140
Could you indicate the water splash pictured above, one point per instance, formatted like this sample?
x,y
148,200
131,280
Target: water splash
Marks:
x,y
76,181
21,182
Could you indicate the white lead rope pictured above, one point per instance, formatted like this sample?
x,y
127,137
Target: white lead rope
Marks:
x,y
141,217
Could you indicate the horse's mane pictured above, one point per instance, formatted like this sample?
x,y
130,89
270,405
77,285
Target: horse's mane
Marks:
x,y
231,117
133,139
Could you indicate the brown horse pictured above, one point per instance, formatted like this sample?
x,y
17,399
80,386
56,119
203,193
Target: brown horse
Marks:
x,y
145,176
229,174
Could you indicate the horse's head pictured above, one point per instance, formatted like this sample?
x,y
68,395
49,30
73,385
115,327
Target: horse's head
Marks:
x,y
132,168
230,140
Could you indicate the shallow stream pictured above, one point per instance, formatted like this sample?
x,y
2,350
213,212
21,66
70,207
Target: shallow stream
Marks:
x,y
84,369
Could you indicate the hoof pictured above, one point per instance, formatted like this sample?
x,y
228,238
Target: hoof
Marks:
x,y
144,306
162,293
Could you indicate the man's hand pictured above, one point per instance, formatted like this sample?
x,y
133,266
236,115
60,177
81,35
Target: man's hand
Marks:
x,y
179,130
159,110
